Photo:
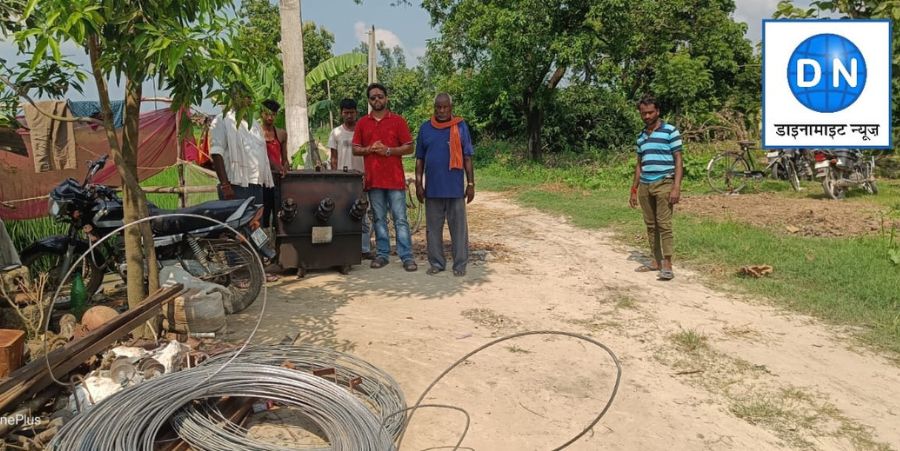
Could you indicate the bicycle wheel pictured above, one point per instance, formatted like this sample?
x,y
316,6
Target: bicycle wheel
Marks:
x,y
414,208
727,173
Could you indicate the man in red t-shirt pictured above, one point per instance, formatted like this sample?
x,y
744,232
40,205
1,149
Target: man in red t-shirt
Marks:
x,y
382,138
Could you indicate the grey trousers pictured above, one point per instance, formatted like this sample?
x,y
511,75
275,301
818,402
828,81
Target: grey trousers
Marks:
x,y
453,212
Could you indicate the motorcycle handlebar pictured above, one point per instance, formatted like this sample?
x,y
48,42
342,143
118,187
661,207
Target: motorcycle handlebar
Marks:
x,y
95,167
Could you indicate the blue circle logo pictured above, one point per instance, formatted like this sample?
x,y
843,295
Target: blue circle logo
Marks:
x,y
827,73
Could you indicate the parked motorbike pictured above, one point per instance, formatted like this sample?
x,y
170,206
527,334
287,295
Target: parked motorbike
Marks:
x,y
792,165
840,170
207,250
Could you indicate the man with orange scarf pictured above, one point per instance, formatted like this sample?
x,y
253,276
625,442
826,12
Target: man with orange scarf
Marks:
x,y
443,156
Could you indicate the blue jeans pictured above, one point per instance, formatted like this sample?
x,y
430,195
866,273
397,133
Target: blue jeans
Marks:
x,y
395,199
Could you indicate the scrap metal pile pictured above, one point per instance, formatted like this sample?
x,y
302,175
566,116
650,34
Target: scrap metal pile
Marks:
x,y
161,398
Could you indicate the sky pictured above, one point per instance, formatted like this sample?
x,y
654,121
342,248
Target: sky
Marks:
x,y
406,26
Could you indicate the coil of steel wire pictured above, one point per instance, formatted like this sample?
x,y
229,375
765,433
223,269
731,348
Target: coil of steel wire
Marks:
x,y
375,388
131,419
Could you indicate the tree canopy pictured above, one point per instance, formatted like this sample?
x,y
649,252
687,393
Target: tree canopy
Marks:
x,y
517,57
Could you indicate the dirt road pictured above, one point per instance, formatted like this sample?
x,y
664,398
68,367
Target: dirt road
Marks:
x,y
701,369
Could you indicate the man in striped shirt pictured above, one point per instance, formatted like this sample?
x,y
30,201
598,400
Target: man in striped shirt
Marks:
x,y
657,184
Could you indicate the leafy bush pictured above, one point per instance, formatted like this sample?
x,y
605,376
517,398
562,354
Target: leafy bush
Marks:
x,y
584,118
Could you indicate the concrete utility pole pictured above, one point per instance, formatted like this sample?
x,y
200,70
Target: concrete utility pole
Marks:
x,y
296,112
373,60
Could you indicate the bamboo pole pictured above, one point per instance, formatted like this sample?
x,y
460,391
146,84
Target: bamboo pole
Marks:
x,y
182,195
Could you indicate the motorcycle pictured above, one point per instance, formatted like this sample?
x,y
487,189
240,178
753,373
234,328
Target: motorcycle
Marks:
x,y
843,169
207,250
792,165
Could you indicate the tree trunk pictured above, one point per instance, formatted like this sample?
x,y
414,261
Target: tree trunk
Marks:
x,y
130,143
296,113
534,121
535,100
131,189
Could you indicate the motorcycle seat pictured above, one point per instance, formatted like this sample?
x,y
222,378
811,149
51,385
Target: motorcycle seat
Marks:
x,y
220,210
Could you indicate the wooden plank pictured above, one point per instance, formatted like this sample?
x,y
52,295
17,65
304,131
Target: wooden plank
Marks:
x,y
75,346
34,377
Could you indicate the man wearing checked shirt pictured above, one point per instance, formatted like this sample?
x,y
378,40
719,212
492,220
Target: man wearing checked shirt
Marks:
x,y
657,184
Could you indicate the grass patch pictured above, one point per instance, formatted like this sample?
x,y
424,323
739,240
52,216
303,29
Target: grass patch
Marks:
x,y
846,281
796,415
623,301
689,340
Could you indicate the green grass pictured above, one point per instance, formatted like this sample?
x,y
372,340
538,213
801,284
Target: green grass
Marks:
x,y
689,340
844,281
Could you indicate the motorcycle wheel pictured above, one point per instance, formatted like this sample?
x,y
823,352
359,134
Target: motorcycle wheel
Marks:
x,y
779,170
792,176
868,173
831,190
871,187
232,265
49,262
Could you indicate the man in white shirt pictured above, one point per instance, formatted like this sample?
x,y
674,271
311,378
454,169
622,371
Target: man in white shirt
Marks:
x,y
340,141
241,161
239,158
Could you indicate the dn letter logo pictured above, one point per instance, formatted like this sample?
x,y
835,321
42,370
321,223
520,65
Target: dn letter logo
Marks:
x,y
826,73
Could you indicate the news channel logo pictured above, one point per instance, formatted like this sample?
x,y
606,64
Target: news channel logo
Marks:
x,y
826,83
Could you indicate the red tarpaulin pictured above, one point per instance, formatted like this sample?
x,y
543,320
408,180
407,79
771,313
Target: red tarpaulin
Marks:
x,y
27,190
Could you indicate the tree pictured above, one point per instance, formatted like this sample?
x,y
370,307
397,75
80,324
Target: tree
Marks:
x,y
180,44
259,34
510,61
527,46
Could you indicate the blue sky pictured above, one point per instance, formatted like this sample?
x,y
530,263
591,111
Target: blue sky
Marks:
x,y
406,26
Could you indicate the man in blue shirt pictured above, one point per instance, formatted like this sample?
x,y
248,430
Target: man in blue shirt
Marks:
x,y
657,184
443,156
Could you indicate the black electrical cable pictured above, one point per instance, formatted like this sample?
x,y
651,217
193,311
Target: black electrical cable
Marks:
x,y
524,334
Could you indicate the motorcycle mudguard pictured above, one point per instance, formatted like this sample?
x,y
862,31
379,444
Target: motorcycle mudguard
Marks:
x,y
57,244
269,254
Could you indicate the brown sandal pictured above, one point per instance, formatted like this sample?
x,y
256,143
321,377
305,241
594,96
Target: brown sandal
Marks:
x,y
379,262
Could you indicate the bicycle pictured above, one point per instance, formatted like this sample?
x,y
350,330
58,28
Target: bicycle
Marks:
x,y
729,171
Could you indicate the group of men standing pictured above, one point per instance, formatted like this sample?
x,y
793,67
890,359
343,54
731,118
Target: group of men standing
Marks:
x,y
251,160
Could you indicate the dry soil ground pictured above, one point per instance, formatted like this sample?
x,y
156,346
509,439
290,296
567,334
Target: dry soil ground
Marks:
x,y
701,369
807,216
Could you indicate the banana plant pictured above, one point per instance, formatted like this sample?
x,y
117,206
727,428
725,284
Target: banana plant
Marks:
x,y
325,72
333,67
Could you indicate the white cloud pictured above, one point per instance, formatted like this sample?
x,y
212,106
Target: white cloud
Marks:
x,y
418,52
753,12
390,38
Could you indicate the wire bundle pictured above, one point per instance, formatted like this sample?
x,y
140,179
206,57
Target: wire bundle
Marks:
x,y
376,389
131,420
